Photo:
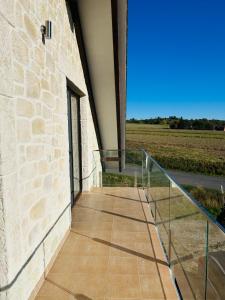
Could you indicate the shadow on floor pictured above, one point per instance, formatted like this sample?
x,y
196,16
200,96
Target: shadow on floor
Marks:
x,y
76,296
118,247
126,217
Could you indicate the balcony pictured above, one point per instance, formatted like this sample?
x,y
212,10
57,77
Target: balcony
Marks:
x,y
137,235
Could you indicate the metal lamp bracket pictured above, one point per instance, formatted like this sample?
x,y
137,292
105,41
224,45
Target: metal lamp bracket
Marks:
x,y
46,31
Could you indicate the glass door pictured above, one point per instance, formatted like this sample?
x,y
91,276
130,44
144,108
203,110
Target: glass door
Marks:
x,y
74,145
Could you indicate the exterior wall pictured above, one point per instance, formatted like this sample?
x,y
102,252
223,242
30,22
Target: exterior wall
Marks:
x,y
34,162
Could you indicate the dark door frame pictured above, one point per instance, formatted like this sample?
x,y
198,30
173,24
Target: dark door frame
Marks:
x,y
72,90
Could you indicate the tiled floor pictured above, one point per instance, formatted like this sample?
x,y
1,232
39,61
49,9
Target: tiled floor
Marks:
x,y
112,252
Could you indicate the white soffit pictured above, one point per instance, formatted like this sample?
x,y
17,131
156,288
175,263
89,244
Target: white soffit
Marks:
x,y
96,23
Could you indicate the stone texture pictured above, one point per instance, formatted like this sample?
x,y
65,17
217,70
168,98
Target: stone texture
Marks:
x,y
30,27
7,10
34,160
38,126
35,152
37,211
48,99
5,57
18,73
23,131
20,49
32,85
18,90
24,108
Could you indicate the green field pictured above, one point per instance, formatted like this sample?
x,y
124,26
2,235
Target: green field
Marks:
x,y
198,151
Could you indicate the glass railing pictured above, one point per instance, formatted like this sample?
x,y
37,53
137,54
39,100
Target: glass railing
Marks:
x,y
193,241
124,168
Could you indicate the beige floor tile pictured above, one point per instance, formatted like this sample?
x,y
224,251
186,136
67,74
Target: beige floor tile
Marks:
x,y
123,204
95,225
90,285
92,216
51,291
123,286
101,235
67,265
129,226
123,249
122,265
147,267
130,236
151,287
127,212
144,249
108,254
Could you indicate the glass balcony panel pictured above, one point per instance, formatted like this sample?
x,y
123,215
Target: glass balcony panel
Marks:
x,y
188,245
216,263
122,168
158,193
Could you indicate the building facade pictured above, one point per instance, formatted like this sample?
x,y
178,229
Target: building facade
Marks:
x,y
60,99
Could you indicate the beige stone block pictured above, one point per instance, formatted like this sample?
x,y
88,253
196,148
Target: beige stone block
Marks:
x,y
35,68
60,107
18,90
24,36
39,56
44,84
43,167
50,129
62,164
46,112
7,10
28,171
47,184
28,200
37,183
23,131
38,126
37,211
35,152
32,85
56,183
54,85
38,109
6,82
24,108
57,153
50,63
21,155
60,129
19,16
20,49
48,99
42,10
34,235
26,4
30,27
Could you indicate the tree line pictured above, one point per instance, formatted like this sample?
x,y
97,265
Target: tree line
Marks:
x,y
179,123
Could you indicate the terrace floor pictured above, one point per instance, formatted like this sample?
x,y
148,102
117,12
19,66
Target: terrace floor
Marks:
x,y
112,251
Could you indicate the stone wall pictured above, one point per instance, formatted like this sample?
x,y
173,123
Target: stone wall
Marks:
x,y
34,163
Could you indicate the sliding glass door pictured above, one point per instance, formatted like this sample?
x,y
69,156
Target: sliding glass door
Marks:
x,y
74,144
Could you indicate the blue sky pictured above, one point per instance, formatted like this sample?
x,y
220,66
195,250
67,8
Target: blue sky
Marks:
x,y
176,58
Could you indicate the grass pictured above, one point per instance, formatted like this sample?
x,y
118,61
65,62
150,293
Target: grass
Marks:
x,y
209,198
112,179
198,151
